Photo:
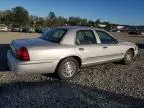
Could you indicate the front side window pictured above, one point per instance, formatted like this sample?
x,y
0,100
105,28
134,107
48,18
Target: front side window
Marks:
x,y
105,38
54,35
85,37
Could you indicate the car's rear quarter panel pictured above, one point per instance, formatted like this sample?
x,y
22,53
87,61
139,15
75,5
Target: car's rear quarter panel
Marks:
x,y
52,53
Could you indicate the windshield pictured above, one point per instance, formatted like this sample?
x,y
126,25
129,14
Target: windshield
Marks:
x,y
54,35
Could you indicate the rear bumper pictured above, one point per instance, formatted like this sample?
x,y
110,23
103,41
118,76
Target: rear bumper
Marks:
x,y
21,67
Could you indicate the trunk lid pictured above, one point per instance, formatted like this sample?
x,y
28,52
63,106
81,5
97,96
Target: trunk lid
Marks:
x,y
30,43
35,42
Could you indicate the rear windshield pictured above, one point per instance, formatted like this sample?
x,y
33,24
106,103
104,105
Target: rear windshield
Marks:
x,y
54,35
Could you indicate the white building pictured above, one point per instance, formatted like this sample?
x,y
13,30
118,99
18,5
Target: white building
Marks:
x,y
102,25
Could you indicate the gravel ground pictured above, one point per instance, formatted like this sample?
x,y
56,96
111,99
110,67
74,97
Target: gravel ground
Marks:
x,y
111,85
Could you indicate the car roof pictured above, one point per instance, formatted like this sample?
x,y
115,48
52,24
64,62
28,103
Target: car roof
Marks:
x,y
73,27
78,27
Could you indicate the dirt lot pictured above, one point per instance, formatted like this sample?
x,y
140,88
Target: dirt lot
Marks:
x,y
109,85
7,37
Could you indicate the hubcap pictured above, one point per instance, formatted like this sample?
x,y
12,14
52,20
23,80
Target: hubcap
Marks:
x,y
69,68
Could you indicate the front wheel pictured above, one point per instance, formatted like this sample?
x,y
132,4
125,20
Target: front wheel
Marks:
x,y
128,58
67,68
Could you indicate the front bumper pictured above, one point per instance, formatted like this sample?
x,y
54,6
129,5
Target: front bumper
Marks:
x,y
22,67
136,50
135,53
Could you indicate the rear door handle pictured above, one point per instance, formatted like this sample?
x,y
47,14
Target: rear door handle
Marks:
x,y
105,47
81,49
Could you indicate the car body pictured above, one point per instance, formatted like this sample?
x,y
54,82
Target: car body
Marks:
x,y
83,46
9,29
3,27
137,30
38,30
41,30
28,30
45,29
16,29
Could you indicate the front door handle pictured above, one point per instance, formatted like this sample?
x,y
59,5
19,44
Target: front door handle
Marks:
x,y
81,49
105,47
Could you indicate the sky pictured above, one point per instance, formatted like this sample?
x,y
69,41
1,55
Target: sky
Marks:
x,y
116,11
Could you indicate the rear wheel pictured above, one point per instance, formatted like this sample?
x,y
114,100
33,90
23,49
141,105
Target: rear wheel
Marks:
x,y
128,58
67,68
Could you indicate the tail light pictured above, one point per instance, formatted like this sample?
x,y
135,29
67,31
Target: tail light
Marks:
x,y
22,54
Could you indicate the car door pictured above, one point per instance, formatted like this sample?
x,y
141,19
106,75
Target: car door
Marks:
x,y
87,47
111,49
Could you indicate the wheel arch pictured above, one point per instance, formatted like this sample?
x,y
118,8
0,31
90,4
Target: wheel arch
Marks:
x,y
131,49
72,56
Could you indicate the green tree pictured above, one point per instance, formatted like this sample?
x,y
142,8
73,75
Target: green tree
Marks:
x,y
1,16
91,23
21,16
51,20
108,26
40,22
8,17
74,21
84,22
61,21
97,22
51,15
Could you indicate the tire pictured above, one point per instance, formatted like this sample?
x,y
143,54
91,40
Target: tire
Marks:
x,y
129,57
67,68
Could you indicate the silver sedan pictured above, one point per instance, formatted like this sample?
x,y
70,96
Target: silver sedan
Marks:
x,y
65,50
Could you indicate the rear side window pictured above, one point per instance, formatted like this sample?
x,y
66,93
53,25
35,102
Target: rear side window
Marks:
x,y
85,37
105,38
54,35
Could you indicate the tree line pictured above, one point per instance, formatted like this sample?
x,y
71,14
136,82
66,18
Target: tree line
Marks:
x,y
20,17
